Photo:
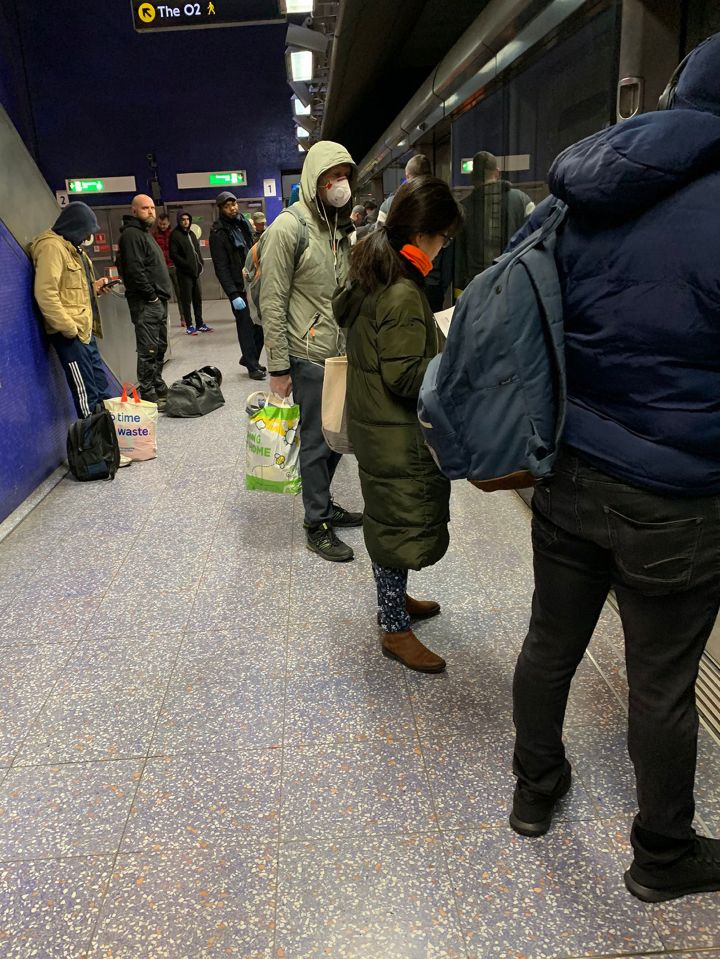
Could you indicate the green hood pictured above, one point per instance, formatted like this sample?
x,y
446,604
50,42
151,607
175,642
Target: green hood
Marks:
x,y
347,304
320,158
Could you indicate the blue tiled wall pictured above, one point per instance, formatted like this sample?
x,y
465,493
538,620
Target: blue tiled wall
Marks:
x,y
104,96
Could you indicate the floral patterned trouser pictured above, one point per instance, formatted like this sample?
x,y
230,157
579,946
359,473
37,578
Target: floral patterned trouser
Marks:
x,y
391,591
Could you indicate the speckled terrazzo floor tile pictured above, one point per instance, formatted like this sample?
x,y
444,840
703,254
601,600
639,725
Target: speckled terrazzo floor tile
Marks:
x,y
53,811
472,782
198,904
142,613
560,895
599,754
354,790
707,781
211,716
130,663
31,670
48,909
225,609
218,656
462,699
591,701
475,634
348,705
18,710
63,621
335,643
220,800
105,723
357,899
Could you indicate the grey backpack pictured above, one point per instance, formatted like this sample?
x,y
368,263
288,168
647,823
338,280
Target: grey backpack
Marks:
x,y
252,271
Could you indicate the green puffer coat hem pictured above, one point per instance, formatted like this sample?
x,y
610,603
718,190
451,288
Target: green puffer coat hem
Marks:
x,y
391,338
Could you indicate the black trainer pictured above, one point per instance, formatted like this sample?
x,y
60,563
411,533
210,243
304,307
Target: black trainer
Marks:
x,y
342,519
532,812
697,871
256,374
243,362
323,541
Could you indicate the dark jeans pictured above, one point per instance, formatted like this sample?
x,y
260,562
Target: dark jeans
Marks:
x,y
662,555
317,461
83,370
250,337
173,279
150,322
190,294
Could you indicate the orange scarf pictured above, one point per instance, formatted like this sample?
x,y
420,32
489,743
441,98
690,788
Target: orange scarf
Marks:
x,y
419,259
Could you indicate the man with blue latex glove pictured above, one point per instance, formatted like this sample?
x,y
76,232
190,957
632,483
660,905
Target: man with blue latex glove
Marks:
x,y
230,240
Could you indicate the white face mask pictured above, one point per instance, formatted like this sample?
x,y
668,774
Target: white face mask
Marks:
x,y
338,193
90,240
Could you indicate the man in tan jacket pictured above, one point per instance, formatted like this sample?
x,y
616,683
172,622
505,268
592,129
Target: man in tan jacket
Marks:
x,y
66,292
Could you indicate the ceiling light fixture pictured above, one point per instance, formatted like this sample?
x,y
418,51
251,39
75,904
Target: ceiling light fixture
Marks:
x,y
301,66
299,108
303,38
296,6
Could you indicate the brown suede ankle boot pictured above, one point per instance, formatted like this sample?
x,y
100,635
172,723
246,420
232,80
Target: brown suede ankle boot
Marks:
x,y
421,608
408,650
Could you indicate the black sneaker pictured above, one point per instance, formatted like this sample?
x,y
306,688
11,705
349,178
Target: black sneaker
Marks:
x,y
161,389
344,520
256,374
532,812
697,871
323,541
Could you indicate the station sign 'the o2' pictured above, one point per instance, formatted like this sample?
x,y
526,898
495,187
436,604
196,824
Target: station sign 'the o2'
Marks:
x,y
150,16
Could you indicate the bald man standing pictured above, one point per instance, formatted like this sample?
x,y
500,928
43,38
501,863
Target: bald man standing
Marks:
x,y
147,289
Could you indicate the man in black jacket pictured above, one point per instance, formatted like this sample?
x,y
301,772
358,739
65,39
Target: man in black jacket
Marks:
x,y
185,254
147,289
230,240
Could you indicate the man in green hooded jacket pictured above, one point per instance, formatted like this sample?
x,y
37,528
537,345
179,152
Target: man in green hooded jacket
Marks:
x,y
300,329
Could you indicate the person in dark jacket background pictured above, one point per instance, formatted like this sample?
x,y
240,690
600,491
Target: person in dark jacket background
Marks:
x,y
230,240
162,233
391,338
494,211
185,254
147,290
634,503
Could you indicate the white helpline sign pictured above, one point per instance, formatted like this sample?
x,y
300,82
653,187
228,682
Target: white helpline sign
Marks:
x,y
269,188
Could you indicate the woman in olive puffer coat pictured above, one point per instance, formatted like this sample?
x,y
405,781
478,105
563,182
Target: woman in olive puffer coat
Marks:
x,y
391,338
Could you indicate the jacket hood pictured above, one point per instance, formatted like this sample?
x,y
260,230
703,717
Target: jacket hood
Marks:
x,y
184,213
132,222
698,87
76,222
321,157
347,304
618,173
45,237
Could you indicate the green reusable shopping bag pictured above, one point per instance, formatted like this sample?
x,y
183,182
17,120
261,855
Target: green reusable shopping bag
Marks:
x,y
272,463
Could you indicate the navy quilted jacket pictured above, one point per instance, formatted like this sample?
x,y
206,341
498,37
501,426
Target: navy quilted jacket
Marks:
x,y
639,263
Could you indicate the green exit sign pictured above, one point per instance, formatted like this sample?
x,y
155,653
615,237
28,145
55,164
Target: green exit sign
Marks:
x,y
466,166
228,179
85,186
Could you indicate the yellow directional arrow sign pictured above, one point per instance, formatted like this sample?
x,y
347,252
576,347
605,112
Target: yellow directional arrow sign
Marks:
x,y
146,12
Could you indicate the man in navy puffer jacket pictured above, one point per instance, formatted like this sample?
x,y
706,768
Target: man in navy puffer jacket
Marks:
x,y
634,502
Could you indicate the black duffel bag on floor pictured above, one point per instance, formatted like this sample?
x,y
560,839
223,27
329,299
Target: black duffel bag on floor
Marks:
x,y
196,394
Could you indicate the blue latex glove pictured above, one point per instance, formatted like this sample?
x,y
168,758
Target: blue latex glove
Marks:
x,y
238,303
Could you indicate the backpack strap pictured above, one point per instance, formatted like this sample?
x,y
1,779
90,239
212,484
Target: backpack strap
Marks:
x,y
301,240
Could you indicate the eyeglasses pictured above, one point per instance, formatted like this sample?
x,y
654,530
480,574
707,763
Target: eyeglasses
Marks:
x,y
447,240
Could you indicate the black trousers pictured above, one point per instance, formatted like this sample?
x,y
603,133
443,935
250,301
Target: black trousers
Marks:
x,y
317,461
173,279
190,294
150,322
250,337
662,555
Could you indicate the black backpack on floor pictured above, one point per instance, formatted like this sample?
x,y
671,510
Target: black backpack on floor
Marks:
x,y
196,394
92,446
